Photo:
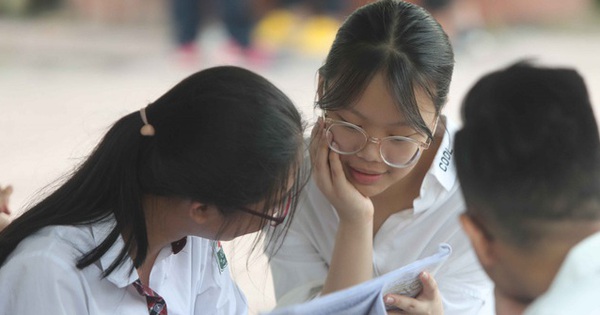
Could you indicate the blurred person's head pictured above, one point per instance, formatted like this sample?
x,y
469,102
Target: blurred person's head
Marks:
x,y
388,72
528,160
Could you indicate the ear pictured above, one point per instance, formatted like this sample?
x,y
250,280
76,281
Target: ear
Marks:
x,y
200,212
482,245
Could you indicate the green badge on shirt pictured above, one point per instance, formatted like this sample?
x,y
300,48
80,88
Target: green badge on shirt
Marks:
x,y
219,255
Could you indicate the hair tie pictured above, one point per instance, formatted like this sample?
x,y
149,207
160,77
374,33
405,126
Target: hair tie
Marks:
x,y
147,129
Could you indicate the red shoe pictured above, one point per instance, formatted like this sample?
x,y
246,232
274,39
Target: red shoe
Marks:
x,y
234,53
258,57
187,55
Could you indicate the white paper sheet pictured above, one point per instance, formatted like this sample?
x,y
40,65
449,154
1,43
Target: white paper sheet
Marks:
x,y
367,297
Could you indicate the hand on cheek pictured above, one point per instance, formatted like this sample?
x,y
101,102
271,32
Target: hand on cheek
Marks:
x,y
329,176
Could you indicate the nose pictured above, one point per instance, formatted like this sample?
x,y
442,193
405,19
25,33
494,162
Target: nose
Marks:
x,y
370,152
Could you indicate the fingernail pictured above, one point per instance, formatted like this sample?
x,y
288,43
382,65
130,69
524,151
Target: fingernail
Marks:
x,y
389,300
425,275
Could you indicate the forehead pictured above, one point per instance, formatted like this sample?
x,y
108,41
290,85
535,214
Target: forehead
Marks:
x,y
379,104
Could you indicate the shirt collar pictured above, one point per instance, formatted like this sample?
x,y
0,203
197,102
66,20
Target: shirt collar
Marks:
x,y
442,168
177,246
441,176
123,275
581,261
579,269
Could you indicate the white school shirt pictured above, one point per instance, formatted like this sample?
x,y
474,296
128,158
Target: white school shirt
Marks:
x,y
40,277
576,287
300,265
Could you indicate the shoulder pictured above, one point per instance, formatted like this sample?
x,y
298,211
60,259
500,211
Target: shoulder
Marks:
x,y
41,276
46,257
54,243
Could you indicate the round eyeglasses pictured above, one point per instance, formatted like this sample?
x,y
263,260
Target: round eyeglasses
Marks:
x,y
279,214
396,151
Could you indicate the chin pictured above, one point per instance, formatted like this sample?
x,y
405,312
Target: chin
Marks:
x,y
246,232
369,190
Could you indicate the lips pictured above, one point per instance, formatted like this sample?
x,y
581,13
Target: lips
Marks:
x,y
365,177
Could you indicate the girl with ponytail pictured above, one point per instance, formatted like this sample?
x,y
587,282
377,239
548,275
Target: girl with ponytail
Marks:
x,y
136,228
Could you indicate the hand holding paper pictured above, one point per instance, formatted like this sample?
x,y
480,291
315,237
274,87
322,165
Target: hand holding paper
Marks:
x,y
367,297
428,301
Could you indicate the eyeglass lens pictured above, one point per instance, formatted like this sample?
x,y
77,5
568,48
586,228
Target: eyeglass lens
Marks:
x,y
350,140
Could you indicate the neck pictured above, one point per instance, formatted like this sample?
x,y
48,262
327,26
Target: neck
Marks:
x,y
157,224
158,232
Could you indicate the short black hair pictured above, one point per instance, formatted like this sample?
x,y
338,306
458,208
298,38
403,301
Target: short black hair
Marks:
x,y
529,150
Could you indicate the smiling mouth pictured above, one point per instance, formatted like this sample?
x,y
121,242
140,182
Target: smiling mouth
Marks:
x,y
365,178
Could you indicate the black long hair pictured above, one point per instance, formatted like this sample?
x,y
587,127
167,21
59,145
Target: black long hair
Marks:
x,y
225,136
402,41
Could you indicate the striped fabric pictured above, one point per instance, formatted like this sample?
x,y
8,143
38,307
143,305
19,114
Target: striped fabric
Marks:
x,y
156,304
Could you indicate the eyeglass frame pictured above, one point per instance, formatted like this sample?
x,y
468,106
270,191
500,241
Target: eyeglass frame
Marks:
x,y
421,145
275,221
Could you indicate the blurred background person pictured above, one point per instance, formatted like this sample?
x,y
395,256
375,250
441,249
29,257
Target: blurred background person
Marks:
x,y
238,17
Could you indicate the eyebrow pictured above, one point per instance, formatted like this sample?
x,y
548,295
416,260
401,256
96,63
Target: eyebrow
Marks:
x,y
394,124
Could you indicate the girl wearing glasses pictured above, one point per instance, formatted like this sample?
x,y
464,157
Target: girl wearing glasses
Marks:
x,y
135,229
384,191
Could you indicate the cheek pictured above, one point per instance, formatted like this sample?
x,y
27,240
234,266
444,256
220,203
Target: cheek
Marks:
x,y
345,160
253,226
241,225
398,174
503,281
508,280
